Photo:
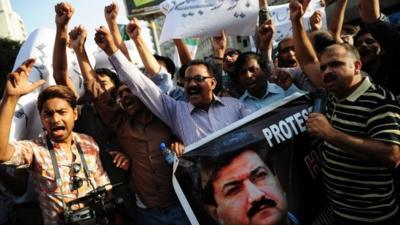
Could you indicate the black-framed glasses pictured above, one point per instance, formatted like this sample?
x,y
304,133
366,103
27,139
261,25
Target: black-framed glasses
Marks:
x,y
197,78
76,181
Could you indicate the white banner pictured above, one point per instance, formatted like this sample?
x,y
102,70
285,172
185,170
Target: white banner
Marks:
x,y
206,18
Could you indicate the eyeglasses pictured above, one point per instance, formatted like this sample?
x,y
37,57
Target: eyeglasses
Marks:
x,y
197,78
76,181
251,69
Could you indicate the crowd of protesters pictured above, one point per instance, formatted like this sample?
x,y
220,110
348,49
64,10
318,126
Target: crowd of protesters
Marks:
x,y
113,133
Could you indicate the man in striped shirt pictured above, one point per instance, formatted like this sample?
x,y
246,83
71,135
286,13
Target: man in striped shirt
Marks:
x,y
361,132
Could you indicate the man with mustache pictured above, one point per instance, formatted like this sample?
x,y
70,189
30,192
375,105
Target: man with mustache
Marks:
x,y
189,121
360,130
240,188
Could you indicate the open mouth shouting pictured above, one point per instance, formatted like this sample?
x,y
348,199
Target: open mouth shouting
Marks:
x,y
193,92
58,130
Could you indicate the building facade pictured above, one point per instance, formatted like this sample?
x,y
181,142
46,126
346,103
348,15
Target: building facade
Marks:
x,y
11,24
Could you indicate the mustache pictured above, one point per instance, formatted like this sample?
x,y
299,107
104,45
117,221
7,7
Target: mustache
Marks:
x,y
329,77
197,89
256,206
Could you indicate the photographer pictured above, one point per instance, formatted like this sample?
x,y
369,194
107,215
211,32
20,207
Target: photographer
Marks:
x,y
65,165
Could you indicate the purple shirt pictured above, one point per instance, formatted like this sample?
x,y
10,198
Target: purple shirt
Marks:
x,y
187,122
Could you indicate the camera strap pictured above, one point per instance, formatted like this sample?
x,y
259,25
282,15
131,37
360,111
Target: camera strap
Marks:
x,y
84,164
56,171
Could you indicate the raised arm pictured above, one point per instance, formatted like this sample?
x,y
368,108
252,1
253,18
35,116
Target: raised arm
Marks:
x,y
263,14
77,42
305,52
386,34
266,33
111,13
17,85
370,10
184,54
64,12
135,33
336,23
316,21
219,45
151,95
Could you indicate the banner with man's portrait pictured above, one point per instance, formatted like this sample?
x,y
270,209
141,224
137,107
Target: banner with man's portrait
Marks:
x,y
262,169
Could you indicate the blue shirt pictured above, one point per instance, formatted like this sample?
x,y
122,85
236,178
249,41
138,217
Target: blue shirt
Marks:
x,y
186,121
273,93
164,81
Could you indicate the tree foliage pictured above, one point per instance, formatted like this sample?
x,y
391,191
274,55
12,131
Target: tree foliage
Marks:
x,y
8,53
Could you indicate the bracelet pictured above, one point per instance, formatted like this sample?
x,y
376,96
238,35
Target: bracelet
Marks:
x,y
220,58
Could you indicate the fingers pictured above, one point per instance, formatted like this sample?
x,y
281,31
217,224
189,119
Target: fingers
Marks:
x,y
64,9
133,27
178,148
111,11
119,159
26,67
37,84
100,36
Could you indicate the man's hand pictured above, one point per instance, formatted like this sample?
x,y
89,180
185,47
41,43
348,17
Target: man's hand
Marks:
x,y
121,160
265,34
77,38
219,44
133,29
111,12
105,41
18,83
316,21
296,10
281,77
178,148
64,12
318,126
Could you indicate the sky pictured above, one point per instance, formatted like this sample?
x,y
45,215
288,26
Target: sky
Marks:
x,y
89,13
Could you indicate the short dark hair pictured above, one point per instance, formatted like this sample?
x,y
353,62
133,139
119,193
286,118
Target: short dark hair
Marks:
x,y
349,49
244,58
56,91
283,40
322,39
199,62
171,68
211,168
111,74
363,31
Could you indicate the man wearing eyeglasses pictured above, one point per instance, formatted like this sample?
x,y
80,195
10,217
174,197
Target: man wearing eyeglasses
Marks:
x,y
57,109
204,114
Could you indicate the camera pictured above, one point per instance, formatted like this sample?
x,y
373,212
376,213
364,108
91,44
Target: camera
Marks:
x,y
96,210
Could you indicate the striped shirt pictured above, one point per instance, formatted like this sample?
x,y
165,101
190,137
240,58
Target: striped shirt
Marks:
x,y
35,154
359,190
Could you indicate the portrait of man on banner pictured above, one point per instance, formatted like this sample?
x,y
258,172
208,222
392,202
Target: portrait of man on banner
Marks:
x,y
256,173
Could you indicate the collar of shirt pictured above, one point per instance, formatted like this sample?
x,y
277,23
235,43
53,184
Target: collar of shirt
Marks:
x,y
360,90
216,100
271,89
43,135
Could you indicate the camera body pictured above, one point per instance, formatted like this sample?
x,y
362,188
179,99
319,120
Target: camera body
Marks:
x,y
96,210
